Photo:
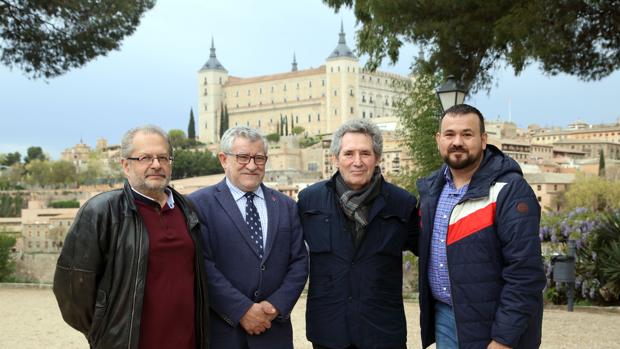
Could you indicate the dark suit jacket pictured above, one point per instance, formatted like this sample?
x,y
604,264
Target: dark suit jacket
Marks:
x,y
236,276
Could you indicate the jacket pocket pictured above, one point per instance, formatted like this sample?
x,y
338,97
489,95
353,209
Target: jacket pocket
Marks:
x,y
98,315
393,233
317,233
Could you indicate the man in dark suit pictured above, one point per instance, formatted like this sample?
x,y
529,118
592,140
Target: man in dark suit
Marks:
x,y
255,256
356,225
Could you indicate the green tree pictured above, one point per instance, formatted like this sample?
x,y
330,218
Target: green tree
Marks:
x,y
64,173
92,173
177,139
601,164
191,127
592,192
469,38
10,159
34,153
39,173
7,264
188,163
55,173
419,112
48,38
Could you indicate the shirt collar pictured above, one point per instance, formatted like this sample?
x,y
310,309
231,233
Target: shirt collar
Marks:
x,y
448,175
238,193
144,198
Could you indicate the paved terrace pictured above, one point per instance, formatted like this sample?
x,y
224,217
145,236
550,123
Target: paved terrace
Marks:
x,y
30,319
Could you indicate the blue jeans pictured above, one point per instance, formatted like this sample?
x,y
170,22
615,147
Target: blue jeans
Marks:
x,y
445,327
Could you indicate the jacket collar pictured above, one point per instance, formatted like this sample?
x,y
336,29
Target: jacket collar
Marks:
x,y
494,164
190,216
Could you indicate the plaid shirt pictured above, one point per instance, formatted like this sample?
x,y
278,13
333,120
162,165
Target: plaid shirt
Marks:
x,y
438,262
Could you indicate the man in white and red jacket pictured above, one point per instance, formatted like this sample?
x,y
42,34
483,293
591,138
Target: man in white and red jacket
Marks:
x,y
481,271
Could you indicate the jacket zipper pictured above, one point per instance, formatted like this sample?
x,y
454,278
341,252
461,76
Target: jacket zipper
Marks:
x,y
449,277
135,288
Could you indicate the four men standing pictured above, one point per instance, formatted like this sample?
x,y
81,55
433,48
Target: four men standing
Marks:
x,y
132,271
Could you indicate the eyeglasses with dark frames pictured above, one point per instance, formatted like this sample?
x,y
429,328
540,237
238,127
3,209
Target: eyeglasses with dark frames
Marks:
x,y
245,158
148,159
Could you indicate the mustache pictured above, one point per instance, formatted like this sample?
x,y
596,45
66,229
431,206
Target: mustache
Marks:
x,y
455,149
157,173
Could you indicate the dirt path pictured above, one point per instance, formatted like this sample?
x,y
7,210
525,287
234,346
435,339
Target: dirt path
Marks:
x,y
29,319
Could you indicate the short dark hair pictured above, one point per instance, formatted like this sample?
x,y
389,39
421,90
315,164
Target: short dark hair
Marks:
x,y
462,109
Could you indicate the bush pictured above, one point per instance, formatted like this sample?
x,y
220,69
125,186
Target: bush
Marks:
x,y
7,264
597,238
308,141
64,204
273,137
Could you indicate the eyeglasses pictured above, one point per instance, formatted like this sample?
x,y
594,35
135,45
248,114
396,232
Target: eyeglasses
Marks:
x,y
245,158
148,159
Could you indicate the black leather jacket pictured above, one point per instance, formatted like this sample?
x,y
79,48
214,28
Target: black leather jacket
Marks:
x,y
100,275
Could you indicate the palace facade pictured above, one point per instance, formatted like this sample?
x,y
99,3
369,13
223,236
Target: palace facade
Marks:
x,y
317,99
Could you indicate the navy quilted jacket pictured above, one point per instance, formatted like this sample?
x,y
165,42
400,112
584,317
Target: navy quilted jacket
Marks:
x,y
494,257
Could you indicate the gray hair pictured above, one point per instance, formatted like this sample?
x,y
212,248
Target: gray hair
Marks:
x,y
358,126
241,131
127,140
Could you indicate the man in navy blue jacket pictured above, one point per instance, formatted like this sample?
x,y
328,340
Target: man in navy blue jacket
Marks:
x,y
356,226
481,272
254,252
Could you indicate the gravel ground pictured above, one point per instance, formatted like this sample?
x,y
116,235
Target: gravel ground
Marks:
x,y
30,319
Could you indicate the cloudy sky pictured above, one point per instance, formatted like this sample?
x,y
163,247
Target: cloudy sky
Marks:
x,y
152,78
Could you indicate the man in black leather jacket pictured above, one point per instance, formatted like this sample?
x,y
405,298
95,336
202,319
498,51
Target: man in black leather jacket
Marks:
x,y
130,274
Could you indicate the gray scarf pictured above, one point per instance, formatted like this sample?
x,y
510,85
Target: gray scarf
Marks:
x,y
356,203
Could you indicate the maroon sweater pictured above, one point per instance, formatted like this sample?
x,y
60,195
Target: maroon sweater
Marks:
x,y
168,319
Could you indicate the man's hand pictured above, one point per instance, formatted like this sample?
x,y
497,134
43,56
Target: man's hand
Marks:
x,y
496,345
270,311
255,321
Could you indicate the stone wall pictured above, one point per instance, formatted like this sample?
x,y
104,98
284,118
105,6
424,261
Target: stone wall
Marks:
x,y
36,267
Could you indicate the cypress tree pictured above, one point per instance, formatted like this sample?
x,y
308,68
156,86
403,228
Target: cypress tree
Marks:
x,y
191,127
222,120
601,164
226,117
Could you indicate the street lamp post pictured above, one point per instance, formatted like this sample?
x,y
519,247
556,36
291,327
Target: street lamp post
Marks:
x,y
451,93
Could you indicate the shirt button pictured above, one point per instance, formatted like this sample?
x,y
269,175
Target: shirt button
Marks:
x,y
445,288
444,216
441,265
442,240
